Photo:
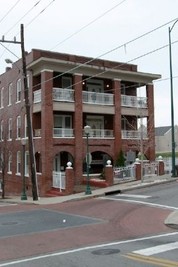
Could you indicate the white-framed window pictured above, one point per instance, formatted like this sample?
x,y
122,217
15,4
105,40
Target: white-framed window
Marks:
x,y
62,121
18,127
19,162
10,129
9,162
19,90
26,127
10,92
2,98
2,131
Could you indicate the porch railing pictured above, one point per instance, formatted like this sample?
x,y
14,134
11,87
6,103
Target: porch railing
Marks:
x,y
100,133
97,98
37,96
133,101
62,94
63,132
133,134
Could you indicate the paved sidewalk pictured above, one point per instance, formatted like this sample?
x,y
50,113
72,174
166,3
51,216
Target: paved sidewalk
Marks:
x,y
119,187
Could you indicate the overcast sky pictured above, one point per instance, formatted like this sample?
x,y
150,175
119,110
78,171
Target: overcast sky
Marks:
x,y
111,29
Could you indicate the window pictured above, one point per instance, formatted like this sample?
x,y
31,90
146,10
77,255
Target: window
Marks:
x,y
18,127
62,121
26,127
2,98
10,94
10,163
10,129
67,82
19,91
18,162
1,131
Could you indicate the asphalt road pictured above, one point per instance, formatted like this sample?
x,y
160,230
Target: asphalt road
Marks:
x,y
116,230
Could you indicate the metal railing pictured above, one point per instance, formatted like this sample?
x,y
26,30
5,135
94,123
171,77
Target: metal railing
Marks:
x,y
100,133
97,98
62,94
59,180
133,134
124,173
63,132
133,101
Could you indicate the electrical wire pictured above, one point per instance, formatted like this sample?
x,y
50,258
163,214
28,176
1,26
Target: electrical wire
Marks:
x,y
9,10
88,24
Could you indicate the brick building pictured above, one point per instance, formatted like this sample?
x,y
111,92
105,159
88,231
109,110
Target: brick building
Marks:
x,y
66,93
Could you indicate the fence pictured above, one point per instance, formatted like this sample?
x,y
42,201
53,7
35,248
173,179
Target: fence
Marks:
x,y
124,173
59,180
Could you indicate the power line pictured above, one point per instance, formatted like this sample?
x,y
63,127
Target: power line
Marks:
x,y
9,10
88,24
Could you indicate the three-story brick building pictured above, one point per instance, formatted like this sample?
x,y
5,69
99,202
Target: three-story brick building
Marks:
x,y
68,92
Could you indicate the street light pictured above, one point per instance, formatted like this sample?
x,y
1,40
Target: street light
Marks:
x,y
23,195
87,129
172,102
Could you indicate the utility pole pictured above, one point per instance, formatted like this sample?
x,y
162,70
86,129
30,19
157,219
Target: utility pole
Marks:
x,y
29,123
27,106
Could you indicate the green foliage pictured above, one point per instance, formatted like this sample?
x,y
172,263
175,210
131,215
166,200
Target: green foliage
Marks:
x,y
120,161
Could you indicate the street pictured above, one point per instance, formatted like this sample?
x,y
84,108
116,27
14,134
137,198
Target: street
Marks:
x,y
124,229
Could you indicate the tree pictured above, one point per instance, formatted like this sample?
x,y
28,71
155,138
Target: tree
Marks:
x,y
120,161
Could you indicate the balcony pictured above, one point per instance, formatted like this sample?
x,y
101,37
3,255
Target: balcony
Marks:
x,y
64,95
100,133
63,132
133,134
133,101
97,98
67,95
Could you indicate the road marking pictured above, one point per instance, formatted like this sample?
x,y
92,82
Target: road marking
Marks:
x,y
141,202
86,248
157,249
151,260
133,196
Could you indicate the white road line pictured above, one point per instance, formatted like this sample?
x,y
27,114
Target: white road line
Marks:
x,y
157,249
132,196
141,202
86,248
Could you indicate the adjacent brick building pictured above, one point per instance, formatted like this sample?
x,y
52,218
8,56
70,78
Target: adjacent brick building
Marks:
x,y
66,93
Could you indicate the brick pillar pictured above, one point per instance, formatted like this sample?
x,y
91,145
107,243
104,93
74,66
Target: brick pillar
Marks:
x,y
46,129
137,170
78,126
117,117
69,172
161,167
108,172
150,121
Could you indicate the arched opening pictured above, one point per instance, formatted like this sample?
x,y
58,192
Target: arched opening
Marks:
x,y
98,161
60,161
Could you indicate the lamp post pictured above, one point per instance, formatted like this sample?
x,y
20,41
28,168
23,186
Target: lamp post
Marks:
x,y
172,102
87,129
23,194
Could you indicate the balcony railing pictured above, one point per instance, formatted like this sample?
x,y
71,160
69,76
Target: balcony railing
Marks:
x,y
63,132
100,133
133,134
67,95
133,101
62,94
97,98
